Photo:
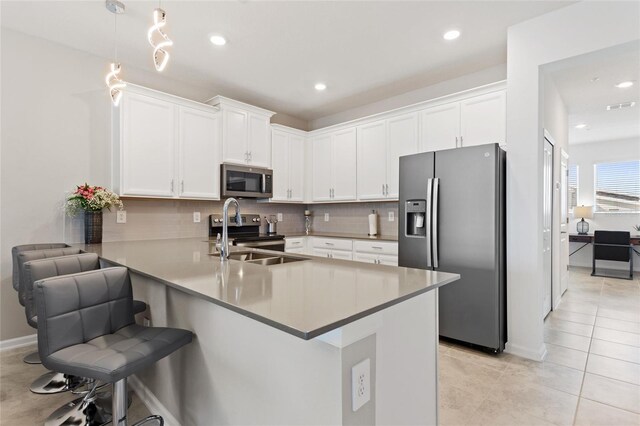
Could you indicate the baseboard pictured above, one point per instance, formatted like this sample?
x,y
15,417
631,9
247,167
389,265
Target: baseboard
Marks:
x,y
18,342
149,399
523,352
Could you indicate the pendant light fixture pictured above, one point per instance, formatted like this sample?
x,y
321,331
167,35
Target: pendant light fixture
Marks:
x,y
159,40
112,80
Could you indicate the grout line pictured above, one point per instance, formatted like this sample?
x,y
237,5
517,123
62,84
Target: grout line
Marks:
x,y
609,405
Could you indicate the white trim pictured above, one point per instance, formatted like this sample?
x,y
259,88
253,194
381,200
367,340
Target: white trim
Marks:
x,y
151,401
168,97
521,351
221,102
18,342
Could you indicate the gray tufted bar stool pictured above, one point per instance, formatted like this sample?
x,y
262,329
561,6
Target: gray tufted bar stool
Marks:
x,y
86,328
51,382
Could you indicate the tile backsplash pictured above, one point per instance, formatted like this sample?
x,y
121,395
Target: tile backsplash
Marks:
x,y
149,219
353,217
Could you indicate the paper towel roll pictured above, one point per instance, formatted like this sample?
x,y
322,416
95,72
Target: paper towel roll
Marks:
x,y
373,224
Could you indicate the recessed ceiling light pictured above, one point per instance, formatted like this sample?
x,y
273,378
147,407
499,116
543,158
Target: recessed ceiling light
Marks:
x,y
624,84
620,106
451,35
320,87
581,126
218,40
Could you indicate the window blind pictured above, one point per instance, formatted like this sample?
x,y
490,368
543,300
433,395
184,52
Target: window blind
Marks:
x,y
617,187
572,186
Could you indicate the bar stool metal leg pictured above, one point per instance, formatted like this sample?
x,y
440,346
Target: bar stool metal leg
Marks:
x,y
53,382
81,411
32,358
119,403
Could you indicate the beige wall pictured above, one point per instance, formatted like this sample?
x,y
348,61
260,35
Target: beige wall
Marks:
x,y
353,217
55,123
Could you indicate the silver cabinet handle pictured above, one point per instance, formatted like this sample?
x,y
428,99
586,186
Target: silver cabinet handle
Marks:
x,y
250,155
428,214
456,141
386,186
329,244
383,189
436,186
376,247
172,186
461,144
182,187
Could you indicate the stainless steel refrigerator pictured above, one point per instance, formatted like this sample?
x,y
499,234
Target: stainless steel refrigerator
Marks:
x,y
452,219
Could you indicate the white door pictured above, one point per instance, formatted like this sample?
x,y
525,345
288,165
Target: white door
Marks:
x,y
402,139
259,145
344,160
440,127
296,168
322,183
199,146
148,146
564,222
483,119
235,135
280,165
547,220
372,159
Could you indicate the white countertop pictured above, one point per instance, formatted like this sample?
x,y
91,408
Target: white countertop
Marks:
x,y
306,298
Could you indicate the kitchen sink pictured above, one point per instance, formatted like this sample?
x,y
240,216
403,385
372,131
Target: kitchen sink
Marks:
x,y
261,258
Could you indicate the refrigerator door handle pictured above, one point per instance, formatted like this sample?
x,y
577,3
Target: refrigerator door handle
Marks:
x,y
436,185
428,220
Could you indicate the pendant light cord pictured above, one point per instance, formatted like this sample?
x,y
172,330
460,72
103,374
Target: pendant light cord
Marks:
x,y
115,37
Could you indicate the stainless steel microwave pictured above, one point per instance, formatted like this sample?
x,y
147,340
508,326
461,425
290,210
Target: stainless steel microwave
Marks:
x,y
245,181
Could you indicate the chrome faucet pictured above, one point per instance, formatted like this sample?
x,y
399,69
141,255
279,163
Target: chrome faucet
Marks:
x,y
224,247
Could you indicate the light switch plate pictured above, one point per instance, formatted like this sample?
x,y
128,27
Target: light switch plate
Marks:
x,y
279,217
326,217
360,384
196,217
121,216
392,216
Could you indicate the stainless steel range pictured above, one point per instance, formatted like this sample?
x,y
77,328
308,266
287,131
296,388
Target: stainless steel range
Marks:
x,y
247,235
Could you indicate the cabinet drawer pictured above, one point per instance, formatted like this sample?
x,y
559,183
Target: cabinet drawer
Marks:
x,y
333,243
379,247
293,243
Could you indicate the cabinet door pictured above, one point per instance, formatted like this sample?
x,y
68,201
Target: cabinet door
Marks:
x,y
321,184
483,119
439,127
402,139
235,135
259,146
388,260
344,160
321,252
372,160
199,146
147,146
296,168
280,161
339,254
364,257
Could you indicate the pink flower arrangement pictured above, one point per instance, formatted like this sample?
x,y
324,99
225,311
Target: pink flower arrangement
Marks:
x,y
91,198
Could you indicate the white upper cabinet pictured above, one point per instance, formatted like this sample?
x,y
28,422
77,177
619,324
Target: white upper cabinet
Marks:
x,y
380,145
321,153
483,119
199,154
474,121
334,166
288,165
165,146
147,146
246,132
440,127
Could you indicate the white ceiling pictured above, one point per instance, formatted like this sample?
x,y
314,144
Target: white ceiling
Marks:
x,y
365,51
586,99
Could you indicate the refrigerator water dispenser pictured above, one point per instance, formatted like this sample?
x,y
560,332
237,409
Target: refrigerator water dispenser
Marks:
x,y
416,213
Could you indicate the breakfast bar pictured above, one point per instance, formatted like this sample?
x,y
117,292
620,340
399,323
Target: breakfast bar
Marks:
x,y
275,342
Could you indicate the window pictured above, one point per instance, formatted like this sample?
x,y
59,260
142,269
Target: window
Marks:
x,y
572,185
617,187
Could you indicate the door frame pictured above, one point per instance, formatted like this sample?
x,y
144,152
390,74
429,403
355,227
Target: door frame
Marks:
x,y
554,280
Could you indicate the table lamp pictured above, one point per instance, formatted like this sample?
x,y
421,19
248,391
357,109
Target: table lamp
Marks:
x,y
583,212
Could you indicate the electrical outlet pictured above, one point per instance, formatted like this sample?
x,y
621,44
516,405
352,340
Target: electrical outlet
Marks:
x,y
121,216
279,217
360,384
326,217
392,216
196,217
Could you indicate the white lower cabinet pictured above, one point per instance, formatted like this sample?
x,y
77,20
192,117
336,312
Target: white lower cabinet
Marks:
x,y
295,245
376,252
333,254
378,259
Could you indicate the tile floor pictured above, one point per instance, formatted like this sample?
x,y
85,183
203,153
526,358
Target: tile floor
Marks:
x,y
591,375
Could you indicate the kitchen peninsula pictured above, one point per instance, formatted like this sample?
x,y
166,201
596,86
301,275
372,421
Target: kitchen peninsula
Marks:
x,y
276,344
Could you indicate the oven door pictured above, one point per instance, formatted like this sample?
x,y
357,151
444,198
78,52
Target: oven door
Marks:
x,y
245,182
275,245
